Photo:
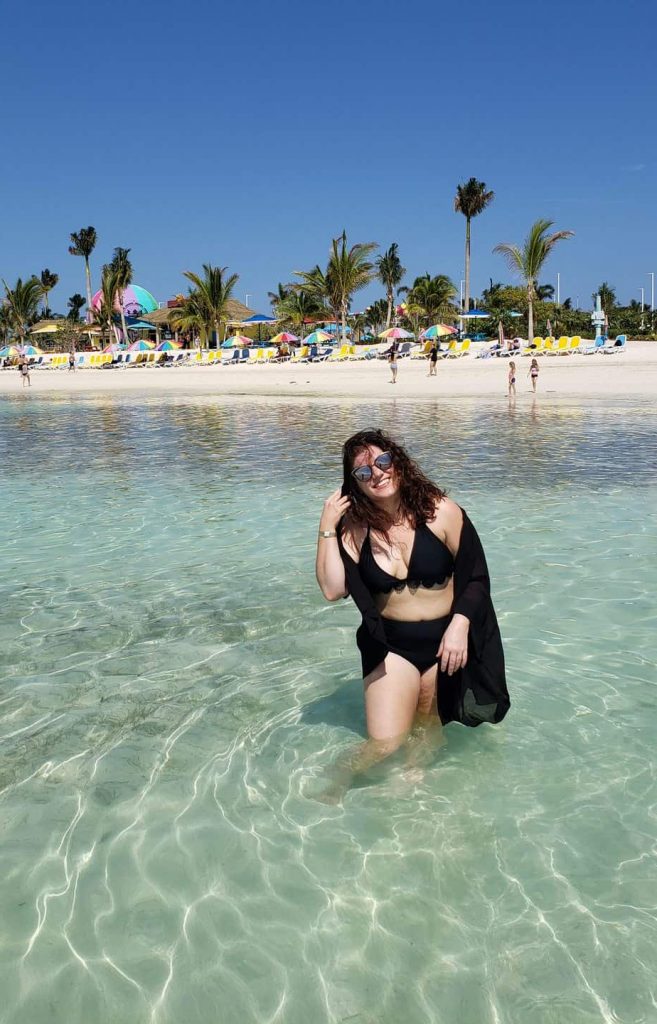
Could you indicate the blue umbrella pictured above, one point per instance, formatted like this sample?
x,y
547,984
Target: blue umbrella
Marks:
x,y
474,314
257,320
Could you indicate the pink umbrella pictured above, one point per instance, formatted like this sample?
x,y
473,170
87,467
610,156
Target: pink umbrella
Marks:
x,y
283,337
394,333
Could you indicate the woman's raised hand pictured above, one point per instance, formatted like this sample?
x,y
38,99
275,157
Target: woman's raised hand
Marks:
x,y
335,507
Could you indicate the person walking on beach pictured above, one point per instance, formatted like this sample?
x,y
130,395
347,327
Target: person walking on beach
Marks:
x,y
512,379
412,562
533,373
392,359
433,360
71,361
24,368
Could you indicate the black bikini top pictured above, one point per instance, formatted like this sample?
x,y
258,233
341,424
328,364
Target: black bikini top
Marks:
x,y
431,562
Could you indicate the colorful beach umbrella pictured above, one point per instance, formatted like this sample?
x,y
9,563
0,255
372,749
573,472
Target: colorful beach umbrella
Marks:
x,y
438,331
316,338
9,350
141,346
114,348
283,338
168,346
30,350
135,301
237,341
395,333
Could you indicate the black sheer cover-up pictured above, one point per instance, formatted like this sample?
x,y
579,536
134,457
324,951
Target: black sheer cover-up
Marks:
x,y
476,693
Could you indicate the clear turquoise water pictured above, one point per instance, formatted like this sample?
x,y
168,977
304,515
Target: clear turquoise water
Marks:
x,y
173,687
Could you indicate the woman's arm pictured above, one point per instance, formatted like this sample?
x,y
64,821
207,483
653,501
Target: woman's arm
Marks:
x,y
329,568
453,650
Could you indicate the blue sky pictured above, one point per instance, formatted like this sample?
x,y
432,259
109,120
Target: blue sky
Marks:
x,y
248,135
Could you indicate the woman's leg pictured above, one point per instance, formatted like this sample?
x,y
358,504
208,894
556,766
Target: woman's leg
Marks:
x,y
391,700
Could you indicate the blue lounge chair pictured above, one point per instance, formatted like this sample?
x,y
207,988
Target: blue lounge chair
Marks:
x,y
615,347
597,346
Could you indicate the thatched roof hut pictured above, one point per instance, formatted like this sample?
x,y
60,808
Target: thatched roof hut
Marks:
x,y
237,312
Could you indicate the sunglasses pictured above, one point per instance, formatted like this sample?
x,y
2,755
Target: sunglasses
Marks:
x,y
364,473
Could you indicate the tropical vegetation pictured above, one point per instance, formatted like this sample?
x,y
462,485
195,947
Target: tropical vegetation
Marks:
x,y
205,306
122,269
528,260
348,270
390,273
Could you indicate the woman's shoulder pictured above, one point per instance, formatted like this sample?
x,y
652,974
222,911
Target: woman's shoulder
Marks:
x,y
447,522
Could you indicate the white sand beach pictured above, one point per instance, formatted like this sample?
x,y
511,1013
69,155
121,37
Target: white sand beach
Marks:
x,y
632,372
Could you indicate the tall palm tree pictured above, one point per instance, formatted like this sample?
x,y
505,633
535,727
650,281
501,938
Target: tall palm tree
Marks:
x,y
48,281
84,243
104,314
377,313
5,322
528,261
75,304
391,274
23,304
317,285
471,199
122,268
210,297
189,317
348,271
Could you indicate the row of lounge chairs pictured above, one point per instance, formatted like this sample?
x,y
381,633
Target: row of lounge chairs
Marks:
x,y
569,346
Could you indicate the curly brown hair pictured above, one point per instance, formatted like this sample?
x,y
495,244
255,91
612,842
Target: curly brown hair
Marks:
x,y
417,493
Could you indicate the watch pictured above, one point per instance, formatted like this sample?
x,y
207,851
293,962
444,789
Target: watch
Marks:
x,y
327,533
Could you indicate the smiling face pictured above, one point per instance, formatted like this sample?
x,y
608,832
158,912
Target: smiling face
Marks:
x,y
383,484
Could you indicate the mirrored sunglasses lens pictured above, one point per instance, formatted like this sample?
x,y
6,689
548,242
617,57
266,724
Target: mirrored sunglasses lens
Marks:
x,y
363,473
383,461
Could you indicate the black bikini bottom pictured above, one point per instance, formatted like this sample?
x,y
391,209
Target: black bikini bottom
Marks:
x,y
418,642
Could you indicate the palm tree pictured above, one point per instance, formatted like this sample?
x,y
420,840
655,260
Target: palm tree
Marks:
x,y
189,317
48,281
5,322
471,199
84,243
279,295
75,304
433,294
104,314
391,274
348,271
544,292
376,315
122,267
528,261
209,296
23,304
297,307
607,296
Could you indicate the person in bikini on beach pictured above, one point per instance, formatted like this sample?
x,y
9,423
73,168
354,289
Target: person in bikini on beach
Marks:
x,y
24,368
512,379
412,562
392,359
433,360
533,373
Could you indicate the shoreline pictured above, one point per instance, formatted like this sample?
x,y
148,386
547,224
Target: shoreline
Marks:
x,y
630,373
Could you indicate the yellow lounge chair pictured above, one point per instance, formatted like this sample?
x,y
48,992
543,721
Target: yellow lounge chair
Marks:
x,y
538,342
561,348
547,346
299,354
575,343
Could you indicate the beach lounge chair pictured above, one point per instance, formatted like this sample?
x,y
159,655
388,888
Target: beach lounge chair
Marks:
x,y
321,355
597,346
230,358
422,351
561,348
360,352
538,343
615,347
575,342
300,355
340,354
548,345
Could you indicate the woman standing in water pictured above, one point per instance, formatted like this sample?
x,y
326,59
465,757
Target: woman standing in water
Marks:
x,y
413,563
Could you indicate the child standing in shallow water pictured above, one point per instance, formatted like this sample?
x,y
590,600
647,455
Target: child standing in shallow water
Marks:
x,y
512,379
533,373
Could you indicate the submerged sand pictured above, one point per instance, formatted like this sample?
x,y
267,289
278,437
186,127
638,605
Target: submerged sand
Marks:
x,y
632,372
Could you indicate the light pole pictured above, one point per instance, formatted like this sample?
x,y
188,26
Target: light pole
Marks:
x,y
246,299
558,289
642,302
461,286
651,275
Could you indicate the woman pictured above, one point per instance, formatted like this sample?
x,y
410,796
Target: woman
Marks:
x,y
413,563
392,359
433,360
